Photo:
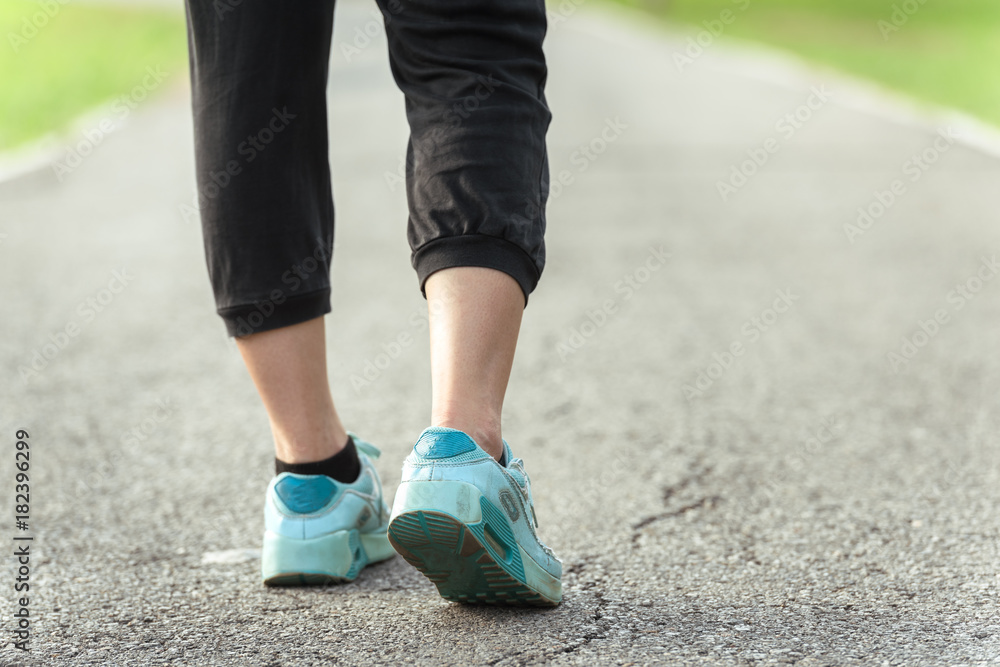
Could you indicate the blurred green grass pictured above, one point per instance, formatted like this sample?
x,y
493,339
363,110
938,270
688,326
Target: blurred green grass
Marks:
x,y
946,52
81,56
84,55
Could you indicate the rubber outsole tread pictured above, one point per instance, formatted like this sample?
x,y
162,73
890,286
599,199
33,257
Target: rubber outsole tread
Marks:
x,y
449,554
303,579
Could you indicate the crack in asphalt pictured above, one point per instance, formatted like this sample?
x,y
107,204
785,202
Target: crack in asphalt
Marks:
x,y
694,479
602,633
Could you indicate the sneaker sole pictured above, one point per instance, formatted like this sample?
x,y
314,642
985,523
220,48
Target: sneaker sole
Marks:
x,y
335,558
475,562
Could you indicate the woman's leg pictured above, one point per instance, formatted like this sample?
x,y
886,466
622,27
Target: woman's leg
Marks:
x,y
258,73
475,316
288,367
473,75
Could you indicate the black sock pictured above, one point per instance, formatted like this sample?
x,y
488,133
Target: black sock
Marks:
x,y
344,466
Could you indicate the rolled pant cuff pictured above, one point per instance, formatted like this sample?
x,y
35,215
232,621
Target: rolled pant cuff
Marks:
x,y
477,250
266,314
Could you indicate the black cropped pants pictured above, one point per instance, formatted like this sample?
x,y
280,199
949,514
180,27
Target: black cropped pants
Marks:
x,y
473,76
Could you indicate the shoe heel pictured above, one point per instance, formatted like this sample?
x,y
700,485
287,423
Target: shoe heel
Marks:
x,y
286,561
458,499
464,545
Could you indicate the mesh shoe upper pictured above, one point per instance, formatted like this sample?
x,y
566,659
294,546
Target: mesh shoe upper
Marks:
x,y
308,506
444,454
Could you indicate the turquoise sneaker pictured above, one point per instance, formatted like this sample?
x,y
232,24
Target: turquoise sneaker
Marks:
x,y
319,531
468,524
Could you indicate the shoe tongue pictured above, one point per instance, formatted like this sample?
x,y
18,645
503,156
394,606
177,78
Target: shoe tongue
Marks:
x,y
507,457
513,466
438,442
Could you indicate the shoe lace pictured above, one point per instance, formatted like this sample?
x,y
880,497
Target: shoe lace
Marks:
x,y
516,470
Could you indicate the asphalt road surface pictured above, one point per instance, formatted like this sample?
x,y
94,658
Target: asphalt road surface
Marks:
x,y
761,425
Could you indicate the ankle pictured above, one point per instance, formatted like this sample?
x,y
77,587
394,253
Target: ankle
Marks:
x,y
487,435
309,447
344,466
